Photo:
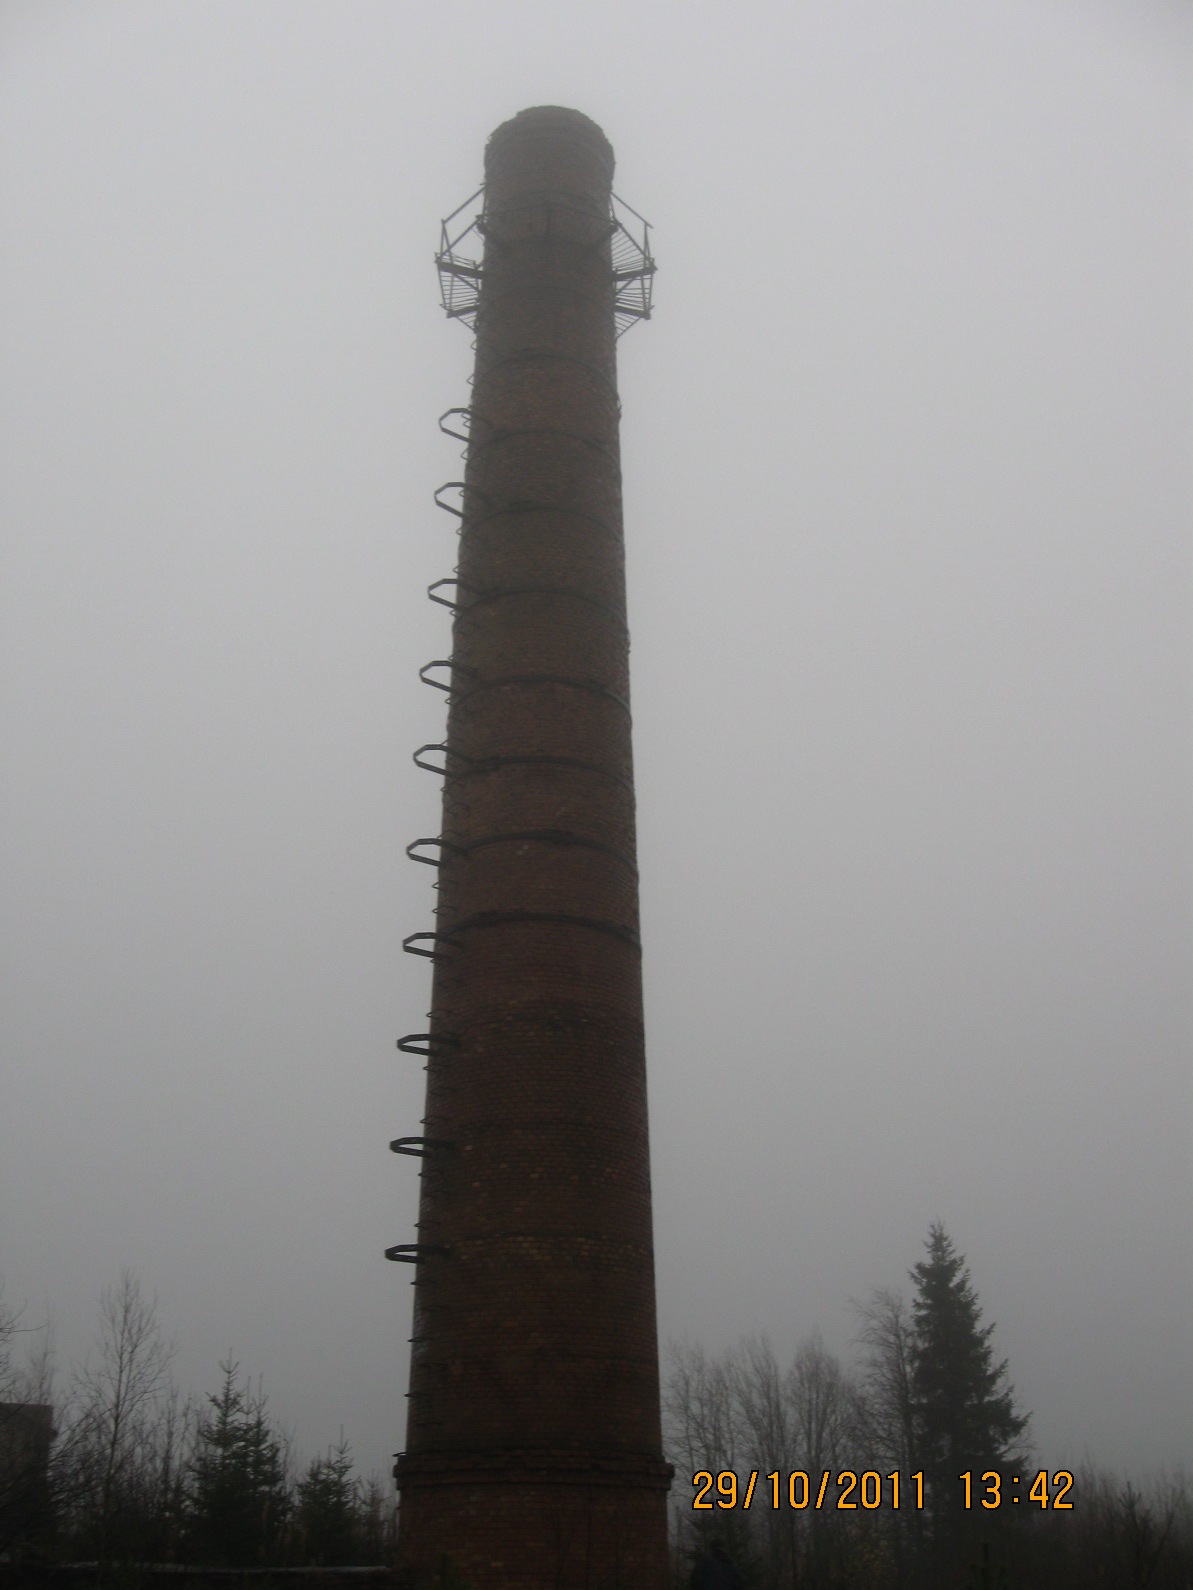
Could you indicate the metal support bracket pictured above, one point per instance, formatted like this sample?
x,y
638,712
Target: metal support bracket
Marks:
x,y
415,1252
413,945
427,1044
424,673
418,1147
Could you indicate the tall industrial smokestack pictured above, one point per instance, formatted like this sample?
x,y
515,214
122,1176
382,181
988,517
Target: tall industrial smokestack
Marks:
x,y
533,1453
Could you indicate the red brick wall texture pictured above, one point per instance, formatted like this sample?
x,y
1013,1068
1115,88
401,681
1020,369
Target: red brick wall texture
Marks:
x,y
533,1454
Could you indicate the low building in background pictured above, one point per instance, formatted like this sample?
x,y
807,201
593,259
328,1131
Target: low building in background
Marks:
x,y
26,1434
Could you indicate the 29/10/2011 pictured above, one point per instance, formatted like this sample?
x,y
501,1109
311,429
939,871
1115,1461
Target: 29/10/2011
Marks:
x,y
844,1491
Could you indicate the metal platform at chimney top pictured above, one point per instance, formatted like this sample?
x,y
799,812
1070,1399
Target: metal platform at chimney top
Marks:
x,y
460,272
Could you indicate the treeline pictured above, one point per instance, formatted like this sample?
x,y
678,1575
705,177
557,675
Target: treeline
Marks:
x,y
125,1469
925,1400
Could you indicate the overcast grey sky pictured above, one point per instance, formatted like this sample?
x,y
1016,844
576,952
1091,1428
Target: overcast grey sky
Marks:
x,y
908,489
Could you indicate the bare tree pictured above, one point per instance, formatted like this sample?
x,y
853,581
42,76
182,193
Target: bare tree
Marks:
x,y
744,1413
698,1409
761,1410
10,1330
123,1401
767,1433
166,1474
701,1428
886,1335
823,1409
825,1419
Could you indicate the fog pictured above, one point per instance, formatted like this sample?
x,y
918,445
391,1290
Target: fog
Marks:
x,y
907,491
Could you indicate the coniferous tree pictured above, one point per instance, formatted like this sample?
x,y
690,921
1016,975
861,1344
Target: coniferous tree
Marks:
x,y
378,1521
327,1513
963,1406
240,1500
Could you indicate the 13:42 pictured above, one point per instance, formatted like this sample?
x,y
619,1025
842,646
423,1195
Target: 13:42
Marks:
x,y
993,1490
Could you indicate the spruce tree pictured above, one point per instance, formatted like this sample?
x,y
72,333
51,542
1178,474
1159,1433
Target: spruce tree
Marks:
x,y
327,1515
963,1406
239,1500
